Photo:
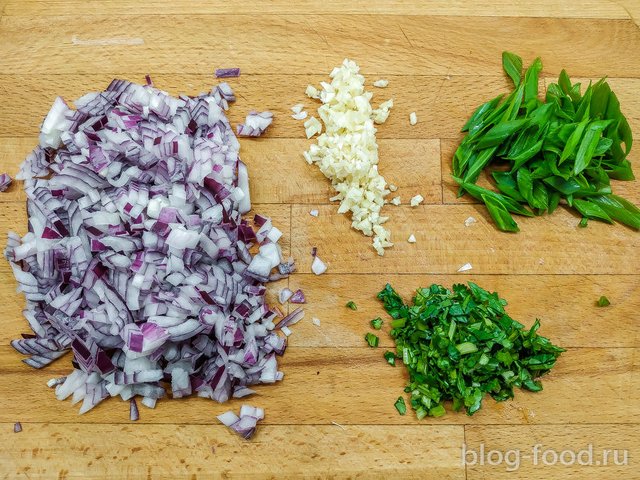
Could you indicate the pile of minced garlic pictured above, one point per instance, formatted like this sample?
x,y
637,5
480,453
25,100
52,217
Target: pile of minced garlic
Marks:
x,y
347,152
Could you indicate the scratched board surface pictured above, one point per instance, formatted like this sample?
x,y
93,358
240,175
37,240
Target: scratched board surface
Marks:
x,y
332,416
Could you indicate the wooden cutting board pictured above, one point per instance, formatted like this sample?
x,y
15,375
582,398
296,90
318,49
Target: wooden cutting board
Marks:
x,y
333,415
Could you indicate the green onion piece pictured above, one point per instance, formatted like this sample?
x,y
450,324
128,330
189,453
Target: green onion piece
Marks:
x,y
376,323
390,357
466,347
603,301
372,339
352,305
400,406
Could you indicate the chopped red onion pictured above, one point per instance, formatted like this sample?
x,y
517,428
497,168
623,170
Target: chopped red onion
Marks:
x,y
284,295
255,124
137,257
17,427
298,297
134,414
227,72
318,266
245,424
291,319
5,181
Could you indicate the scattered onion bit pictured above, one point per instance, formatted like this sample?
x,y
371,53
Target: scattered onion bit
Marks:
x,y
286,331
413,118
298,297
411,239
134,414
17,427
5,181
255,124
318,266
245,424
227,72
284,295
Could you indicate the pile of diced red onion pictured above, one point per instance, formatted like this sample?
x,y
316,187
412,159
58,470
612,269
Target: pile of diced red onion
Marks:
x,y
137,257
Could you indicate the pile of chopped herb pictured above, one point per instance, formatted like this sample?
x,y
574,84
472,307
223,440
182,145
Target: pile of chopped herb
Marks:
x,y
566,148
460,344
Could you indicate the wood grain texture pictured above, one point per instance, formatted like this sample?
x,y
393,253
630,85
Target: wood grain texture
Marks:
x,y
546,244
442,59
565,305
268,44
352,386
486,8
206,451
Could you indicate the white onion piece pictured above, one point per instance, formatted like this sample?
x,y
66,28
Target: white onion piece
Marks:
x,y
318,266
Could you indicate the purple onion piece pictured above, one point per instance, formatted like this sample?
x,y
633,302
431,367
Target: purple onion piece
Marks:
x,y
227,72
5,181
134,414
298,297
17,427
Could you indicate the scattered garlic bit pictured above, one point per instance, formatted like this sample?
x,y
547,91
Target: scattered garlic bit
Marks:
x,y
312,126
417,200
395,200
312,92
411,239
413,118
299,115
297,108
469,221
381,113
392,187
286,331
347,152
315,321
381,83
541,261
465,267
314,213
